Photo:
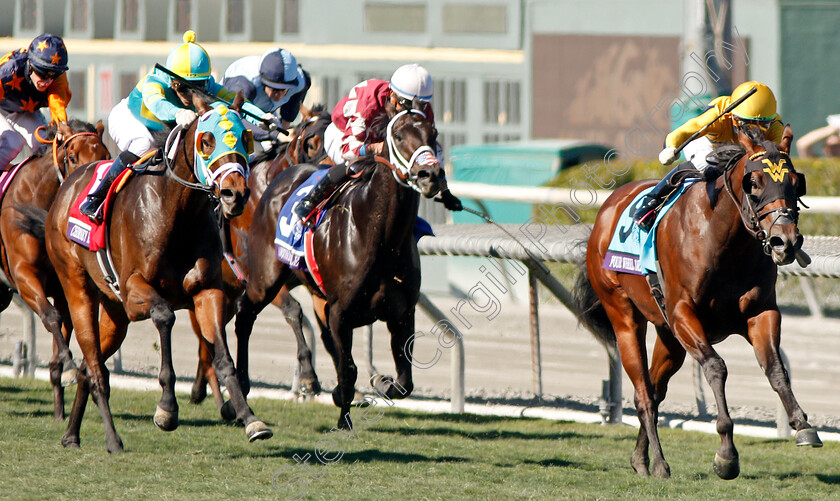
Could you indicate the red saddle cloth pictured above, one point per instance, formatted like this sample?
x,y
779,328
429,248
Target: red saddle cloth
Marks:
x,y
84,230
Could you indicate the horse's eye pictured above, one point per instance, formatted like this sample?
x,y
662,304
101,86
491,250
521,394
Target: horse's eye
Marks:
x,y
73,158
397,136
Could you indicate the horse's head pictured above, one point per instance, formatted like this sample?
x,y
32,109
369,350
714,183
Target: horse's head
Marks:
x,y
772,188
311,135
412,141
74,144
222,146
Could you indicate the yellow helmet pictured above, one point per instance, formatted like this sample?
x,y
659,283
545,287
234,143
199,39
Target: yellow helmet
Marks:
x,y
189,60
760,106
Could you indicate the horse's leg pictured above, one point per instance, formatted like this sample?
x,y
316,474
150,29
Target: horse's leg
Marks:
x,y
205,373
209,312
764,333
401,329
690,331
340,348
77,412
141,301
294,317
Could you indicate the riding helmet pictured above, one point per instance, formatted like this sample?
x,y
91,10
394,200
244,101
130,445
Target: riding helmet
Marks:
x,y
761,106
47,53
278,69
189,60
412,80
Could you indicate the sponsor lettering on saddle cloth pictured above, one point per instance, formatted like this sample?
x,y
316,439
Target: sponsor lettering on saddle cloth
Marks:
x,y
7,175
633,250
293,245
84,230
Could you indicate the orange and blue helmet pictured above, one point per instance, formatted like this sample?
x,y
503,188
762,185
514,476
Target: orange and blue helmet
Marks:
x,y
189,60
48,54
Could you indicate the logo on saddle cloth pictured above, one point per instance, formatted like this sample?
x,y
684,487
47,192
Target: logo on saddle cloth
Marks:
x,y
633,250
80,228
777,171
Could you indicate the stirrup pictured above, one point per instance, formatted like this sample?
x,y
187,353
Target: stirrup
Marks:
x,y
92,209
304,212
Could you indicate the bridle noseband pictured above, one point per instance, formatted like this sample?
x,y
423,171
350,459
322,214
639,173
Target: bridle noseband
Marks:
x,y
401,167
56,145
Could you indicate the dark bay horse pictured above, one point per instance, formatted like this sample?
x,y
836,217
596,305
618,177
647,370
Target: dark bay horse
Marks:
x,y
167,255
718,262
306,146
23,256
366,253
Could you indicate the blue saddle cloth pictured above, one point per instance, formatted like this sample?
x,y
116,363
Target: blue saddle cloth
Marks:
x,y
631,249
289,236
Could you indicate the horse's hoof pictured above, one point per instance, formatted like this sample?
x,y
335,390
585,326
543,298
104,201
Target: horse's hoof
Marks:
x,y
310,387
165,420
808,436
727,469
228,412
69,376
258,431
198,394
70,442
336,394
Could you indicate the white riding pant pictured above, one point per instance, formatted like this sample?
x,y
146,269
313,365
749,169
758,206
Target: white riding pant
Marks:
x,y
128,132
697,151
332,143
16,131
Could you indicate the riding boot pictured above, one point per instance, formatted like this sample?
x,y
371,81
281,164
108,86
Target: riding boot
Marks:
x,y
90,207
645,214
334,178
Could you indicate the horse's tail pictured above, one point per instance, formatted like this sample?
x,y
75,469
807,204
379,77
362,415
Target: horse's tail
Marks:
x,y
591,312
32,221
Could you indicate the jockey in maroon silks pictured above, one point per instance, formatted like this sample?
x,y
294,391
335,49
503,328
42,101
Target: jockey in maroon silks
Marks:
x,y
350,135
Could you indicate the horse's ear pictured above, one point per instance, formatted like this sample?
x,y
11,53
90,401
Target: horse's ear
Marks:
x,y
238,101
305,113
200,104
787,139
100,128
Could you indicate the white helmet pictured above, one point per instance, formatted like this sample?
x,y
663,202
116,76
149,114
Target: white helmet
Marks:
x,y
412,80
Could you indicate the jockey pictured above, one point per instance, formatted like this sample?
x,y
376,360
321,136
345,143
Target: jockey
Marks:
x,y
349,136
758,110
274,82
157,103
30,79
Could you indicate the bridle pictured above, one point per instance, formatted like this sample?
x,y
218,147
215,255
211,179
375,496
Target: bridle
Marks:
x,y
750,212
300,141
401,167
55,145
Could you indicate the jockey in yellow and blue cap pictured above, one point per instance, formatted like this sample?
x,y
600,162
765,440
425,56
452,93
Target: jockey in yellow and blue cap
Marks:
x,y
757,110
159,102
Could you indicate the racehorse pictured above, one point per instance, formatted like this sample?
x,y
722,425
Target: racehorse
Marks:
x,y
24,263
365,250
166,254
306,146
719,258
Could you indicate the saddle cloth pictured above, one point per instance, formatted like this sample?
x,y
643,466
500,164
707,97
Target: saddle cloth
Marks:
x,y
293,242
631,249
84,230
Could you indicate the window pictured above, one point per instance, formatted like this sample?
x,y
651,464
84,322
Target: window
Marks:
x,y
127,83
502,102
79,15
450,101
235,16
130,15
474,18
400,18
77,82
28,14
183,15
449,139
330,93
290,16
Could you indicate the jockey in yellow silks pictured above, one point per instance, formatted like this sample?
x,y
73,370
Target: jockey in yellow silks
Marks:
x,y
758,110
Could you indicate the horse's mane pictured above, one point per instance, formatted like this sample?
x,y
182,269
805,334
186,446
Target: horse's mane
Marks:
x,y
75,125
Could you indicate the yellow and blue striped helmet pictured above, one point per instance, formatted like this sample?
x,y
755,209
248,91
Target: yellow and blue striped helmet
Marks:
x,y
189,59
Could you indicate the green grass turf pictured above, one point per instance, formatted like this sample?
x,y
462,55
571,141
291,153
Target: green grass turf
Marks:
x,y
398,455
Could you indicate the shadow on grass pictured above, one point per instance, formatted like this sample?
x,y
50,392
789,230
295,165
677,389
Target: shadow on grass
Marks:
x,y
455,418
480,435
37,413
147,418
828,479
365,456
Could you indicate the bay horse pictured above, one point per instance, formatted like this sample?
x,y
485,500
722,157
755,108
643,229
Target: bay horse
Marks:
x,y
23,256
167,255
306,146
365,250
719,264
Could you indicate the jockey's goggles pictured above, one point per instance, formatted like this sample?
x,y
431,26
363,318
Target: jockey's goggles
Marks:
x,y
46,75
185,89
761,123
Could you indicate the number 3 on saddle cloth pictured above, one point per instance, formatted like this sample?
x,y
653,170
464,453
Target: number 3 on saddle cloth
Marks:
x,y
633,250
293,245
80,228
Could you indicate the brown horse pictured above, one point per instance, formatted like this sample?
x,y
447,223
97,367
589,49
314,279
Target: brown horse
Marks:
x,y
719,259
306,146
366,253
167,256
24,261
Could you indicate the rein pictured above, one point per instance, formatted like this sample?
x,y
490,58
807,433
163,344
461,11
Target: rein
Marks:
x,y
170,150
55,146
401,167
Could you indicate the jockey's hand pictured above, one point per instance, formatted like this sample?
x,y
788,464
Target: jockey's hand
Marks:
x,y
185,117
268,122
450,201
376,148
59,136
668,155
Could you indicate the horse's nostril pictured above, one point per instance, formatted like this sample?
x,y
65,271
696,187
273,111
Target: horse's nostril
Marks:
x,y
777,241
227,193
423,173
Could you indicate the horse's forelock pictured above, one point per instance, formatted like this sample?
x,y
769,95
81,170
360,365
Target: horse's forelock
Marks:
x,y
77,126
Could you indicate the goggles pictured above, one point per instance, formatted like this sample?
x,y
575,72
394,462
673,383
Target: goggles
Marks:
x,y
46,74
185,89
